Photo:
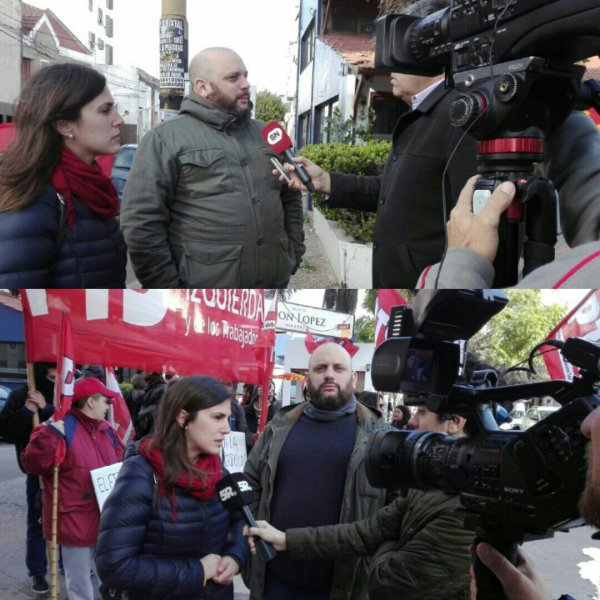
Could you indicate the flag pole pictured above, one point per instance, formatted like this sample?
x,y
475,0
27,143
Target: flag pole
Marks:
x,y
31,387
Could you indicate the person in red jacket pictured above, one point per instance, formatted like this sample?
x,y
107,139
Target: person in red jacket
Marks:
x,y
90,443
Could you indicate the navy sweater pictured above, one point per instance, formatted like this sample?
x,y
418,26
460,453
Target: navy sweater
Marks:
x,y
309,488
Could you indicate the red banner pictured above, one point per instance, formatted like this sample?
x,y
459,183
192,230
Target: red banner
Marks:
x,y
195,331
584,322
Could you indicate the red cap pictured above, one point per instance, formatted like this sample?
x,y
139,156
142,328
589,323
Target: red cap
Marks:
x,y
84,388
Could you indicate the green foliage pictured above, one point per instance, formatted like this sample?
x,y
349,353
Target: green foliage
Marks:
x,y
364,329
350,131
368,159
269,107
510,336
126,388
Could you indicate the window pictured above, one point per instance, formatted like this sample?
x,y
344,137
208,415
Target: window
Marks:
x,y
387,111
25,69
108,54
354,20
91,5
109,27
100,17
109,4
304,127
92,40
307,47
324,119
100,44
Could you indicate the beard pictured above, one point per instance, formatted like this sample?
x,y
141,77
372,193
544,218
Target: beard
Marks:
x,y
589,503
226,103
328,401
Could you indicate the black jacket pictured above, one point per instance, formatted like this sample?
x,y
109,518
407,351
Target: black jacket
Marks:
x,y
92,253
409,230
16,420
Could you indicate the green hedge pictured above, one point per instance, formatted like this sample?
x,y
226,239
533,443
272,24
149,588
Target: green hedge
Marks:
x,y
368,159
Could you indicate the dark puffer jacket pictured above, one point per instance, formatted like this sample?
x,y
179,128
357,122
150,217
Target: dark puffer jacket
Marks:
x,y
141,548
91,255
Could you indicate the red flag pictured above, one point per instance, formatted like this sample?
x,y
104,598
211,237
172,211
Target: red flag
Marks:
x,y
348,346
65,376
118,413
65,379
265,348
584,322
310,342
386,298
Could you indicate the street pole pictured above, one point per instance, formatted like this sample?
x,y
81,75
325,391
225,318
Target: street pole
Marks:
x,y
173,55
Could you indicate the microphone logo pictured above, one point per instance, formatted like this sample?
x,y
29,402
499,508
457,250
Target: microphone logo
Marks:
x,y
227,493
275,136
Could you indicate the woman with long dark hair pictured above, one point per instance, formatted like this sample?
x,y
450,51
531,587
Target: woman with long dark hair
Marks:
x,y
163,531
57,208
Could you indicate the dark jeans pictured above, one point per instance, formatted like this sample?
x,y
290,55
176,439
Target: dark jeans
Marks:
x,y
276,589
35,556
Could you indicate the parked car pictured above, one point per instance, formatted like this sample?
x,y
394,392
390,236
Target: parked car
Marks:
x,y
4,392
121,166
536,414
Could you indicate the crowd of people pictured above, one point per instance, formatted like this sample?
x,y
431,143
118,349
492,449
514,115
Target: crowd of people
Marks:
x,y
164,532
203,207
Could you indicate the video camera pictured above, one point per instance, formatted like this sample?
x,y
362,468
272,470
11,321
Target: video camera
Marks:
x,y
512,62
513,485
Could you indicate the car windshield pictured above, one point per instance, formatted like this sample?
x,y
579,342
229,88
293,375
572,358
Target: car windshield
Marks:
x,y
124,158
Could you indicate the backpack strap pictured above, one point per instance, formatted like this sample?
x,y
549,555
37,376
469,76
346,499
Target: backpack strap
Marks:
x,y
70,425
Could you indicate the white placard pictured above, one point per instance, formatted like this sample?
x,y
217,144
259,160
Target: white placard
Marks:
x,y
233,452
103,480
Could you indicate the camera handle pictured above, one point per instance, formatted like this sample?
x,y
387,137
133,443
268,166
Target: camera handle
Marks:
x,y
488,585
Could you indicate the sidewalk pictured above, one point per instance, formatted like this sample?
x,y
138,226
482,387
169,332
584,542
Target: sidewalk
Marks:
x,y
315,270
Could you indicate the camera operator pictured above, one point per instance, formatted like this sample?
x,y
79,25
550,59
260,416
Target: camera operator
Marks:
x,y
409,231
419,545
524,582
574,165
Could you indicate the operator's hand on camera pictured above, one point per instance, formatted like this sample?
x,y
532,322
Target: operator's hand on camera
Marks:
x,y
267,532
320,178
520,582
479,232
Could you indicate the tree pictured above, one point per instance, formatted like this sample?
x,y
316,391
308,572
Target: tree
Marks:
x,y
269,107
510,336
342,300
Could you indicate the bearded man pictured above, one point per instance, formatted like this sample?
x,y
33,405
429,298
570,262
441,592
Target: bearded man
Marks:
x,y
308,469
201,207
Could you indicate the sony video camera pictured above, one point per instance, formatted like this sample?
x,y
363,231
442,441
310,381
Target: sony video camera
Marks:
x,y
512,62
513,485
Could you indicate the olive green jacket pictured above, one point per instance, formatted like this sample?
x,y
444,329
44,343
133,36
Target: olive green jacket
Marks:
x,y
418,543
360,498
202,208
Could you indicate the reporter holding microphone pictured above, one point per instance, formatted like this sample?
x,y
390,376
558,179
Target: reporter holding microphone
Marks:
x,y
418,544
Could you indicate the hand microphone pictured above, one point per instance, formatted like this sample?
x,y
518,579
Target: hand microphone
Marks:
x,y
235,492
279,141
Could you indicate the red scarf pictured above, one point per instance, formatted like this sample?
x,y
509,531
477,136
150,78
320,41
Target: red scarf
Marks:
x,y
200,488
74,178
